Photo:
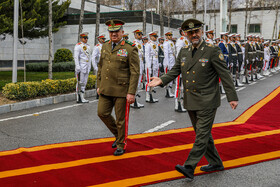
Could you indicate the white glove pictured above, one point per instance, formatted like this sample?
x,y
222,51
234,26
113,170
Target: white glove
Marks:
x,y
78,69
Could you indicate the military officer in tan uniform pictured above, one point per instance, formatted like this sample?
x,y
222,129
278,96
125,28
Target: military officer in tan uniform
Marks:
x,y
201,65
117,80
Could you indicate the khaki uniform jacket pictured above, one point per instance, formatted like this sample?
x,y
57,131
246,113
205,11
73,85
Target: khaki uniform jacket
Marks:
x,y
118,69
200,75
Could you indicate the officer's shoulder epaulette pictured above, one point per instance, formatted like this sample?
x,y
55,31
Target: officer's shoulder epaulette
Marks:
x,y
79,43
182,38
209,45
107,41
130,43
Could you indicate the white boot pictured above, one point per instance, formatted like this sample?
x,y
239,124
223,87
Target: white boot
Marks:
x,y
79,100
168,93
238,84
136,105
83,100
179,106
222,89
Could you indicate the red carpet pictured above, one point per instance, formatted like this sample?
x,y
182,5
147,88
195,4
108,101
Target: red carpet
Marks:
x,y
150,158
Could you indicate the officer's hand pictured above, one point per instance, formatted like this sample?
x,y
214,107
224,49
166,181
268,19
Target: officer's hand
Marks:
x,y
78,69
98,91
155,82
233,104
130,98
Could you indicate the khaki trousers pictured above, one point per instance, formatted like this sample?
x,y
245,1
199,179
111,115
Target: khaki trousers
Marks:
x,y
118,126
202,122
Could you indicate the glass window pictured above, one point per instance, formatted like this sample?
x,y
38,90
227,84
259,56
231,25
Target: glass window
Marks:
x,y
254,28
233,29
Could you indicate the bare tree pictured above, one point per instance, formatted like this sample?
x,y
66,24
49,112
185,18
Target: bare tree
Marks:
x,y
161,18
276,6
97,21
81,18
144,17
246,18
229,15
50,41
194,3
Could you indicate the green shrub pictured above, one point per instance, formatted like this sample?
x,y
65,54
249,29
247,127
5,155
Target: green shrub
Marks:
x,y
63,55
27,90
56,67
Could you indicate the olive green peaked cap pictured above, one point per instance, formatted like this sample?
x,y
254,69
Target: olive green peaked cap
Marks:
x,y
191,24
114,24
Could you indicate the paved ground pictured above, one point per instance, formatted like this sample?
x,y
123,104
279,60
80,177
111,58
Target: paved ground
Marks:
x,y
69,121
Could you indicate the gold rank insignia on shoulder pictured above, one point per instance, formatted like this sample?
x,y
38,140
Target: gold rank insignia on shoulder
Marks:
x,y
221,56
182,64
84,47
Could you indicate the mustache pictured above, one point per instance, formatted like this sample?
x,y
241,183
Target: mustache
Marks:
x,y
195,37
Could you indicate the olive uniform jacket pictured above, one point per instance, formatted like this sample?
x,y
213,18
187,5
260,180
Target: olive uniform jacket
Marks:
x,y
200,75
118,69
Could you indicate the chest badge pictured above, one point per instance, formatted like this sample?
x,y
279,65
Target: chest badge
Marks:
x,y
154,46
85,47
203,61
122,52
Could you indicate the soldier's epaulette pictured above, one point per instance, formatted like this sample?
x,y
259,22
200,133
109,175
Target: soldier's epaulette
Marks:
x,y
209,45
79,43
129,42
108,41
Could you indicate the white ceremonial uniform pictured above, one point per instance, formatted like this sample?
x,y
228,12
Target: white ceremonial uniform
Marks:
x,y
151,58
242,68
266,59
180,43
210,41
82,63
169,55
96,56
139,45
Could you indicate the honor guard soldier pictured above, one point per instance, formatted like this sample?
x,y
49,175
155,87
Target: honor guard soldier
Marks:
x,y
125,36
210,36
182,42
201,65
255,59
160,54
260,52
152,65
223,44
248,59
117,80
266,58
273,55
139,44
239,58
169,59
82,60
233,59
217,41
96,53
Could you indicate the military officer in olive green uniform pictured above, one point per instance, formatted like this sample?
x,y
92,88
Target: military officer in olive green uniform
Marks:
x,y
201,65
117,79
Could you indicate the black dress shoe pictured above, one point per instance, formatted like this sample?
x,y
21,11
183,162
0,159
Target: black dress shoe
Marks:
x,y
114,145
119,152
210,167
187,172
